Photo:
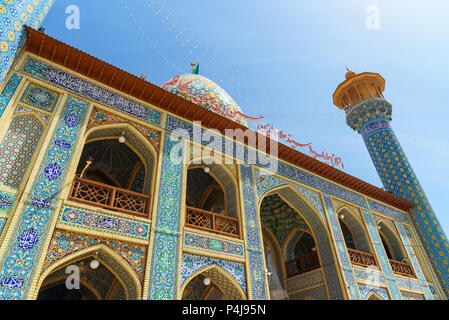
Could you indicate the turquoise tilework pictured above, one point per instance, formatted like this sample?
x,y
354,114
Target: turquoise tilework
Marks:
x,y
398,177
382,256
341,249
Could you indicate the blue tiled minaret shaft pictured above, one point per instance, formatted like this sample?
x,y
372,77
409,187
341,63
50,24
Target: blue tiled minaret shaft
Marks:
x,y
368,113
13,16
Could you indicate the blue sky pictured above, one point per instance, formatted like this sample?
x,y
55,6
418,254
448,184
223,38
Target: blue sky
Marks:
x,y
284,59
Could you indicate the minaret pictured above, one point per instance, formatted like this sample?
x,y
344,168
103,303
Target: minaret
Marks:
x,y
368,113
14,15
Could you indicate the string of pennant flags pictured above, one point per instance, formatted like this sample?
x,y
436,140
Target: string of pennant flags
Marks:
x,y
195,47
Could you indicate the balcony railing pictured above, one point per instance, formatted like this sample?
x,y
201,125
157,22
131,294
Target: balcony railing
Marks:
x,y
108,197
306,263
212,222
361,258
401,268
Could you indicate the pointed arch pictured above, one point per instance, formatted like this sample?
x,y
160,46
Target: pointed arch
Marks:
x,y
292,239
373,296
225,179
356,228
110,259
61,279
277,250
135,140
320,231
391,242
30,113
215,272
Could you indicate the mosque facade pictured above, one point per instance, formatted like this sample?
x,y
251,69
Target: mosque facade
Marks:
x,y
128,190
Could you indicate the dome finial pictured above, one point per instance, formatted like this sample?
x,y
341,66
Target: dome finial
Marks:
x,y
350,73
195,67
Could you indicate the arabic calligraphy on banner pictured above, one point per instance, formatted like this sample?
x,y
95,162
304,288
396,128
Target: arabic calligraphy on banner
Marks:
x,y
271,132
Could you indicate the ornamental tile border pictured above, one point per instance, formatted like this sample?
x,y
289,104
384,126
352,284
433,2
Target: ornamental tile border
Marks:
x,y
166,240
64,243
387,211
369,275
414,261
92,91
265,183
2,224
92,220
254,244
408,284
9,91
187,130
33,220
303,281
191,263
411,234
346,265
381,255
366,290
213,244
39,97
100,117
6,202
412,296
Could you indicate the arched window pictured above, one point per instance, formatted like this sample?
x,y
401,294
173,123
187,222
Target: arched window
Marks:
x,y
390,242
386,247
304,245
347,235
355,238
115,173
211,200
353,231
394,250
112,163
301,253
275,279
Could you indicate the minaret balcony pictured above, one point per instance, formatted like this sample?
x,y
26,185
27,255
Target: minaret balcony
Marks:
x,y
212,222
109,197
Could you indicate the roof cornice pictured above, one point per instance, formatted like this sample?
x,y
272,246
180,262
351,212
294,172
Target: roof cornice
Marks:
x,y
71,58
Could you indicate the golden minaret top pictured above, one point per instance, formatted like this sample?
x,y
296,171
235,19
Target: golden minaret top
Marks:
x,y
358,88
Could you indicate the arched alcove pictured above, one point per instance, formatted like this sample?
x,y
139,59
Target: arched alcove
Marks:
x,y
391,242
274,262
212,283
111,279
373,296
301,215
115,170
211,198
300,243
353,231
